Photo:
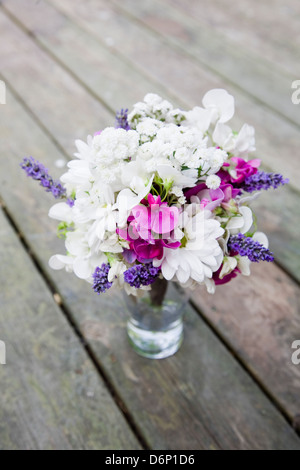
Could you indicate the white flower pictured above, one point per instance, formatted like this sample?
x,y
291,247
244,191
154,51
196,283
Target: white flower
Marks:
x,y
149,127
201,256
151,99
77,177
213,182
240,223
199,118
243,263
241,144
127,200
58,262
116,273
80,259
84,149
163,108
62,212
177,191
245,141
171,175
113,145
261,238
229,265
183,155
210,159
221,105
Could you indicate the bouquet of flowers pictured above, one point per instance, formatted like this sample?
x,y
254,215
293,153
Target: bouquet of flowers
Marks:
x,y
163,194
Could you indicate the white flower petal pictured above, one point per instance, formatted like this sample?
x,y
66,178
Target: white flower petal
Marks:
x,y
248,218
58,262
244,265
62,212
261,238
167,271
82,268
222,102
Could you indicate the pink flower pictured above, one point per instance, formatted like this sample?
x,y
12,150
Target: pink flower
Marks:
x,y
158,217
229,192
244,169
145,224
224,175
209,199
226,278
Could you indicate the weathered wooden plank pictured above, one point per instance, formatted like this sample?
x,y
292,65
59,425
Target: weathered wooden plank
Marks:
x,y
260,78
200,398
270,30
278,214
67,45
51,395
23,65
260,317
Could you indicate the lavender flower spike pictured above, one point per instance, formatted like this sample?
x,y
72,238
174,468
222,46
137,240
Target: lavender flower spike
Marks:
x,y
122,120
100,277
38,172
262,180
141,275
246,246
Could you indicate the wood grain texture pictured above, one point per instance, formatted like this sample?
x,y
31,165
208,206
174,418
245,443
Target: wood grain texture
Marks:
x,y
47,89
199,399
260,317
104,73
263,80
51,395
268,29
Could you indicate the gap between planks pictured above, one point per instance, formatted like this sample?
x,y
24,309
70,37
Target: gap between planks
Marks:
x,y
66,313
292,421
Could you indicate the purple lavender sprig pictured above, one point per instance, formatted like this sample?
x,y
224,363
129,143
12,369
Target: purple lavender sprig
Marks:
x,y
100,277
38,172
263,181
141,275
246,246
122,120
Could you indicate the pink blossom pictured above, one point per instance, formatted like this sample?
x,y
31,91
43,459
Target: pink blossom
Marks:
x,y
146,222
227,278
158,217
229,192
210,199
244,169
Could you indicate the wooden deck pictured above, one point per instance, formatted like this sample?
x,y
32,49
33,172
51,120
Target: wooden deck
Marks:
x,y
71,380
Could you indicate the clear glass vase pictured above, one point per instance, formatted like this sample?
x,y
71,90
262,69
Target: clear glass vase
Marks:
x,y
155,326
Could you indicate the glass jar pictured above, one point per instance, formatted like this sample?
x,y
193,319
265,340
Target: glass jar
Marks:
x,y
155,326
